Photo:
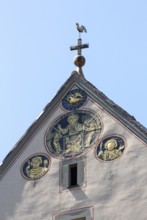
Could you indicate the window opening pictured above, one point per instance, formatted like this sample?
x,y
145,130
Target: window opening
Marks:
x,y
79,218
73,175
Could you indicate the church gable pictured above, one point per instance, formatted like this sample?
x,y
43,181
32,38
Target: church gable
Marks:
x,y
77,94
72,139
84,154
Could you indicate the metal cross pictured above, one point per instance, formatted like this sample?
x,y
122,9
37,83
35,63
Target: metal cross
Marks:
x,y
79,47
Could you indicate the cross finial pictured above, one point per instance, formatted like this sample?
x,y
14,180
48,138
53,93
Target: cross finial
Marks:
x,y
80,46
79,60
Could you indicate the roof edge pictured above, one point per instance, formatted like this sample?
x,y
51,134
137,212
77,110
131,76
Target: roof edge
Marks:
x,y
120,114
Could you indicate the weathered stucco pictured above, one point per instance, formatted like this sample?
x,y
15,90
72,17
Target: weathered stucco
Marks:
x,y
114,189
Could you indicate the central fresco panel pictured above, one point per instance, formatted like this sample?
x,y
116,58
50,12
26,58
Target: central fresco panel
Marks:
x,y
73,133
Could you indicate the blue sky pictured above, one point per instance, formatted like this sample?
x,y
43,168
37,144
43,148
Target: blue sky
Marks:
x,y
35,59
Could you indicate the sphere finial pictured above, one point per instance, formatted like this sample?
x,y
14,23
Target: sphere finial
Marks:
x,y
79,60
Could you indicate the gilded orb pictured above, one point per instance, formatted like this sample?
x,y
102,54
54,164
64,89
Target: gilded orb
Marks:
x,y
79,61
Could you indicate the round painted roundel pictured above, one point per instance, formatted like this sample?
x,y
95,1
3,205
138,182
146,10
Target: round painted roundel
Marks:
x,y
110,148
35,166
73,134
74,99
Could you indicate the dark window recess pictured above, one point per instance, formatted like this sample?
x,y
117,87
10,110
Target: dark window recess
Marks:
x,y
80,219
73,175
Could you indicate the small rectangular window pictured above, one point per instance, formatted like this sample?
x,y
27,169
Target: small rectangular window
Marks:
x,y
79,218
78,214
73,175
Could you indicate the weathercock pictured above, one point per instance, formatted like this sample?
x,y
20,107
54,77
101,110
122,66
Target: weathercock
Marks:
x,y
81,28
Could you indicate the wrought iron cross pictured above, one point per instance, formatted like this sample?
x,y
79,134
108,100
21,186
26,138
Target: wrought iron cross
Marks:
x,y
79,47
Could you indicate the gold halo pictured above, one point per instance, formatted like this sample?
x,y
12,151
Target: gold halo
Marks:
x,y
110,141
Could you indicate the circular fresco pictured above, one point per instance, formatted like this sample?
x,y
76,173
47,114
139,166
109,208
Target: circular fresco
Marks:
x,y
73,134
74,99
110,148
35,167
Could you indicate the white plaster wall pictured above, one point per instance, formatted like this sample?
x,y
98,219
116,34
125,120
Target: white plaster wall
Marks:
x,y
115,189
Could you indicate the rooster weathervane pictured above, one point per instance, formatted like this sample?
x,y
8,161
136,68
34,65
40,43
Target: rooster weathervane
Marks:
x,y
81,29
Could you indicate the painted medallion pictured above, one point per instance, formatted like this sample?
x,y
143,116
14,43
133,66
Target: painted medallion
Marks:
x,y
74,99
73,134
35,167
110,148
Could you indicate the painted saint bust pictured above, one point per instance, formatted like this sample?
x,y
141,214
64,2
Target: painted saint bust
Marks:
x,y
110,148
35,167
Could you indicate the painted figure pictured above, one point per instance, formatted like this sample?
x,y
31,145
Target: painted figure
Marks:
x,y
73,138
111,150
74,98
36,167
76,135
